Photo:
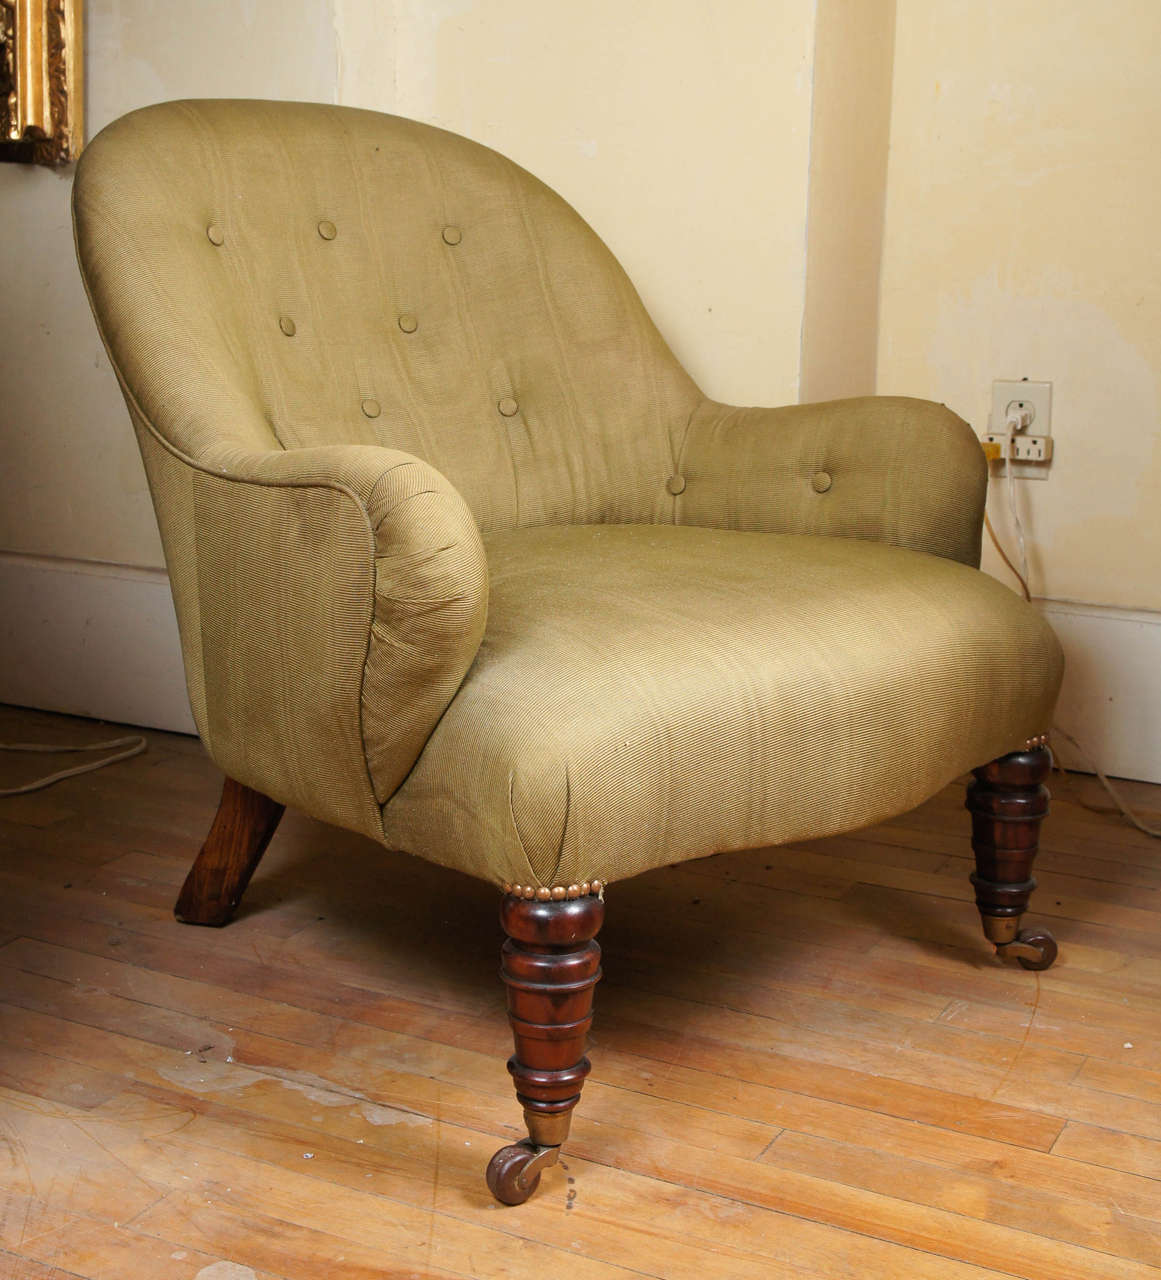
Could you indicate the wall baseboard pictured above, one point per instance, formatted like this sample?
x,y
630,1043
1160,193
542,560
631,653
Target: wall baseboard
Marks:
x,y
91,639
1111,700
101,640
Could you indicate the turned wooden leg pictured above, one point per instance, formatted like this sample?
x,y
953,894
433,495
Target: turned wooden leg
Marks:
x,y
1007,801
550,964
243,825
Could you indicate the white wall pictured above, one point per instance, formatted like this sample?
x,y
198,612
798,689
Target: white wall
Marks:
x,y
1022,241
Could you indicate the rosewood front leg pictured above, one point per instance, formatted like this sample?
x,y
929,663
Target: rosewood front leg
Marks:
x,y
1008,801
242,827
550,964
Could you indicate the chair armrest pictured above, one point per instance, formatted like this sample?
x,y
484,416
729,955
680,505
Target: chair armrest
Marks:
x,y
330,581
883,468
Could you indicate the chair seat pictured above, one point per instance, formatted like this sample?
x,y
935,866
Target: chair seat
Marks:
x,y
647,694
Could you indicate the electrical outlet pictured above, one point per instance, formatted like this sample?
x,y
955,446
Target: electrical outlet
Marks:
x,y
1032,397
1024,448
1034,401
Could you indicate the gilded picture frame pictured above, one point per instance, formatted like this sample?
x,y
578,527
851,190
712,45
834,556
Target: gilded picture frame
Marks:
x,y
41,81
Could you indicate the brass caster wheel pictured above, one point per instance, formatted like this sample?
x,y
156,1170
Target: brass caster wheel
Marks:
x,y
514,1172
1034,948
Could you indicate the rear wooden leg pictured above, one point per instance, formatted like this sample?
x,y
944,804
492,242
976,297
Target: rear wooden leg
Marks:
x,y
1008,801
243,825
550,964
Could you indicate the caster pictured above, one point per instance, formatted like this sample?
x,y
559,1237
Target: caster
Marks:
x,y
1034,948
514,1172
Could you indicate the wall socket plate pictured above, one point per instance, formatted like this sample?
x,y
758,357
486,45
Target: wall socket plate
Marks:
x,y
1036,398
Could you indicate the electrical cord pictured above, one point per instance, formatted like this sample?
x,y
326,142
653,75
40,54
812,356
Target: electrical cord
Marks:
x,y
1126,812
1004,556
133,747
1016,422
1022,578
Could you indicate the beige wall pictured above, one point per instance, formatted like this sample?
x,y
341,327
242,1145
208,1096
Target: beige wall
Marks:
x,y
679,129
71,482
850,126
1022,241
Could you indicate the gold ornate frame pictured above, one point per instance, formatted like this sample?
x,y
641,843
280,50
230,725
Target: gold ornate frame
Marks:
x,y
42,98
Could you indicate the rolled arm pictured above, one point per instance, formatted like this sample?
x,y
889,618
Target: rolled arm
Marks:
x,y
884,468
342,594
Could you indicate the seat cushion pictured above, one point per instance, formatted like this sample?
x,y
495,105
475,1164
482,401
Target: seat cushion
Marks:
x,y
649,694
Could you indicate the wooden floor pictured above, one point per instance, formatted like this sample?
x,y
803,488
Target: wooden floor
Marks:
x,y
806,1063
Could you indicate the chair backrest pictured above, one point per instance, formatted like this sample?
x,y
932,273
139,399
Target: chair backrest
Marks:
x,y
290,274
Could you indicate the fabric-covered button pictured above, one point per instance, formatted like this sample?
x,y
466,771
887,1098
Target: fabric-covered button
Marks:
x,y
286,324
452,235
371,408
408,323
508,407
216,234
675,484
327,230
821,481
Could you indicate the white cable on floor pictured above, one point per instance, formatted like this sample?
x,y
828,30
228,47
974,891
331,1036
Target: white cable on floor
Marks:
x,y
134,747
1126,812
1012,424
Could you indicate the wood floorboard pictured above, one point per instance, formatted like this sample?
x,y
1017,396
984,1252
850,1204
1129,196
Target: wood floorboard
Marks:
x,y
806,1063
25,1268
97,1248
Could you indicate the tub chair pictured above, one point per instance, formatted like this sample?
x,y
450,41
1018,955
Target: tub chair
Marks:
x,y
464,561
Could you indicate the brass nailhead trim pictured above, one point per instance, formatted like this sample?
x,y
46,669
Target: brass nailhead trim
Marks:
x,y
1041,740
557,893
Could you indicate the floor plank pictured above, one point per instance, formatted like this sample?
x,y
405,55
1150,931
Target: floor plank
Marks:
x,y
806,1062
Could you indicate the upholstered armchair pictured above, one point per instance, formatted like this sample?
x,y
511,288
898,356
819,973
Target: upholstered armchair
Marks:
x,y
464,561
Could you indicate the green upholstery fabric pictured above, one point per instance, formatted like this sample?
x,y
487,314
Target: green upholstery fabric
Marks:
x,y
644,695
371,363
897,470
326,587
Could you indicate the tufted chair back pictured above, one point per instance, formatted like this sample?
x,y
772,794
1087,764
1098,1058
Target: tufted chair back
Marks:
x,y
289,274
